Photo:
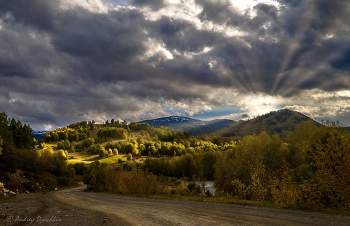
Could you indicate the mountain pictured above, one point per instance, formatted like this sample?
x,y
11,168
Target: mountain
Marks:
x,y
276,122
188,125
39,135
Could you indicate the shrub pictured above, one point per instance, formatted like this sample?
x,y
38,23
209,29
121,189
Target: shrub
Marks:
x,y
194,188
102,152
129,157
62,154
134,181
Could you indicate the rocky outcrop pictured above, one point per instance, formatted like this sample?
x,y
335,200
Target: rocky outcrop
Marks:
x,y
4,191
21,182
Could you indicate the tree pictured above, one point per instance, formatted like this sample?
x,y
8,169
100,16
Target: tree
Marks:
x,y
21,134
102,152
42,145
129,147
61,154
331,159
88,142
91,125
135,151
300,145
185,163
1,142
207,164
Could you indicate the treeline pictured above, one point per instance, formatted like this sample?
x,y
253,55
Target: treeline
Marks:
x,y
153,148
195,166
113,133
150,141
14,134
68,133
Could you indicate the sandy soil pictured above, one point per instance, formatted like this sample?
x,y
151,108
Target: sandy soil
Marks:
x,y
76,207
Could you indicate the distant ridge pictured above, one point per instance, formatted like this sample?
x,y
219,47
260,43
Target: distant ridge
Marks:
x,y
188,125
279,122
39,135
168,120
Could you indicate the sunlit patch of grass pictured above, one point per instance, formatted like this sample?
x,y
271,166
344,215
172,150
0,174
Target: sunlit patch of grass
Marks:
x,y
92,159
74,161
87,159
113,159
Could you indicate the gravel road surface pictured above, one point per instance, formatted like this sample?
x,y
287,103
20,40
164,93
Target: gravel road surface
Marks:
x,y
124,210
74,207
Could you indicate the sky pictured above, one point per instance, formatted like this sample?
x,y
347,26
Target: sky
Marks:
x,y
64,61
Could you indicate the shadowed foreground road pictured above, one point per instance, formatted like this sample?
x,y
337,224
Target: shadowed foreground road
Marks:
x,y
124,210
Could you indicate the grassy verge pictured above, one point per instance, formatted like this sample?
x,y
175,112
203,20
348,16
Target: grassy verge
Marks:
x,y
226,199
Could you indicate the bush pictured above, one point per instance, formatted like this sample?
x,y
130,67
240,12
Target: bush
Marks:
x,y
118,180
102,152
80,168
194,188
129,157
62,154
49,180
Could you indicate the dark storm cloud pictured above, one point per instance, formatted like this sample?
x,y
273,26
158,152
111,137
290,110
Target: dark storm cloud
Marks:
x,y
76,62
29,113
116,37
36,13
342,62
181,35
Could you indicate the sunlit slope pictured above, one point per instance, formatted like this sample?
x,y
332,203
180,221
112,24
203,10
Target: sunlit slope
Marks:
x,y
277,122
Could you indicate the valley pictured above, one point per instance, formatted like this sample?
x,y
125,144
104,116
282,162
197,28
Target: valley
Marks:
x,y
281,159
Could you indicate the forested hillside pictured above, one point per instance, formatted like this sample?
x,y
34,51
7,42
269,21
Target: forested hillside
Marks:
x,y
279,122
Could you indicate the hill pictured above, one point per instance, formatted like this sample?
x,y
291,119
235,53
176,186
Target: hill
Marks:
x,y
188,125
279,122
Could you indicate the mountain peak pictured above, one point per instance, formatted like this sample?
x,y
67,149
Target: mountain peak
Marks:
x,y
275,122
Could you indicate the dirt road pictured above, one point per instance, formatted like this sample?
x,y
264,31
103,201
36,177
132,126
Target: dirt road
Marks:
x,y
123,210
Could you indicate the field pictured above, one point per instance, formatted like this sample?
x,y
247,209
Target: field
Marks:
x,y
86,158
82,157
